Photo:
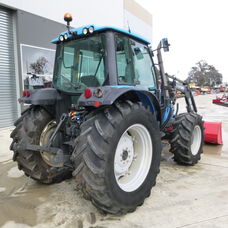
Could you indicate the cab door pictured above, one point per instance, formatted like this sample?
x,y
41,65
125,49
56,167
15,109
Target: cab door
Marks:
x,y
134,64
144,75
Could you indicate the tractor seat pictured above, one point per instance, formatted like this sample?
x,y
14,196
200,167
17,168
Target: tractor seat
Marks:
x,y
90,81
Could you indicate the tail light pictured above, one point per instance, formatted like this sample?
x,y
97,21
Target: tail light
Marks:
x,y
97,104
26,93
88,93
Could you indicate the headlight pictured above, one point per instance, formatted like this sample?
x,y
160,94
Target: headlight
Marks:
x,y
61,38
91,29
65,36
85,31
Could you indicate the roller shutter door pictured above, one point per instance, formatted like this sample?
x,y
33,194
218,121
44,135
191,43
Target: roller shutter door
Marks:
x,y
8,100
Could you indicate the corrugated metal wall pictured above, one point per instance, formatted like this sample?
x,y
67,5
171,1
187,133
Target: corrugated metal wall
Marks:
x,y
8,100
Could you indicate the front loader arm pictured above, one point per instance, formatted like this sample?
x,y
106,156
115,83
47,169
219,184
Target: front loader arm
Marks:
x,y
189,99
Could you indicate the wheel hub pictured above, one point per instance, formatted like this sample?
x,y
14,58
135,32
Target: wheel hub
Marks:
x,y
124,154
133,157
44,139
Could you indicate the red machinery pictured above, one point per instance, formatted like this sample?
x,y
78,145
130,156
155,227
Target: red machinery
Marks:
x,y
213,132
221,100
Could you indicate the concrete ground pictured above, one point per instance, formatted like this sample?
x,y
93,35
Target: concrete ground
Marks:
x,y
192,197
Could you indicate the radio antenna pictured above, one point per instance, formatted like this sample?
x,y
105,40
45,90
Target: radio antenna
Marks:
x,y
129,29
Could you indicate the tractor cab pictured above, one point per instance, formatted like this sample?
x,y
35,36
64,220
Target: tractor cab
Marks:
x,y
94,56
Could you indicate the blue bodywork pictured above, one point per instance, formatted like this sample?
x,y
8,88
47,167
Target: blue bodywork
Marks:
x,y
167,113
111,94
79,32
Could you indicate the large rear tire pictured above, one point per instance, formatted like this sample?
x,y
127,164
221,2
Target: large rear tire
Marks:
x,y
187,138
120,149
29,128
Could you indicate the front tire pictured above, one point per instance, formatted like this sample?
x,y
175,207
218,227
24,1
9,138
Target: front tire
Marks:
x,y
187,138
109,174
30,128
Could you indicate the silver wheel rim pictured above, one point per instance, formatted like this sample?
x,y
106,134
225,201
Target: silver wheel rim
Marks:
x,y
44,138
133,157
196,140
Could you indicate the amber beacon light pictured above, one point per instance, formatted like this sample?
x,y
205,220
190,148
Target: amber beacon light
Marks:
x,y
68,18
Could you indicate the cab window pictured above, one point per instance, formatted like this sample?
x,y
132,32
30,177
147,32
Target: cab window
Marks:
x,y
134,63
80,64
125,69
143,65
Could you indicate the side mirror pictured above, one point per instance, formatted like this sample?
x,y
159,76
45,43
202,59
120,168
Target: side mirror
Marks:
x,y
165,44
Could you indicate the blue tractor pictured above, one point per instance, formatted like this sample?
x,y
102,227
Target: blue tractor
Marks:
x,y
105,117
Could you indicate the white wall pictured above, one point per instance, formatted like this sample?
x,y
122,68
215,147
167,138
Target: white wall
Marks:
x,y
99,12
137,25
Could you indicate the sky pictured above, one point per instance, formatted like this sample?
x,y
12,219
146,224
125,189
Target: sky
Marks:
x,y
196,30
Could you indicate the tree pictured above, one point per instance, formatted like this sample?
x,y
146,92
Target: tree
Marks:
x,y
39,66
204,74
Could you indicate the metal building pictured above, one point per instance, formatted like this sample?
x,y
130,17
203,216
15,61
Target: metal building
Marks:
x,y
8,84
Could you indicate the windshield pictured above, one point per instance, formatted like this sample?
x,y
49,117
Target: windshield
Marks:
x,y
80,64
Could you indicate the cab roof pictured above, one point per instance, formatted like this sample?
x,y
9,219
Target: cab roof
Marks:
x,y
79,32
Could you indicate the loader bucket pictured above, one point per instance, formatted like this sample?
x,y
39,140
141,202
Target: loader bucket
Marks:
x,y
213,132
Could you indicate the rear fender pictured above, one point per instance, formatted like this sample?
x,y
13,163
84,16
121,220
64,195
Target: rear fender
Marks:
x,y
48,96
114,93
150,100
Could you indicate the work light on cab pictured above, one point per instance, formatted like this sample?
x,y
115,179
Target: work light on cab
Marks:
x,y
85,31
65,36
61,38
91,29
